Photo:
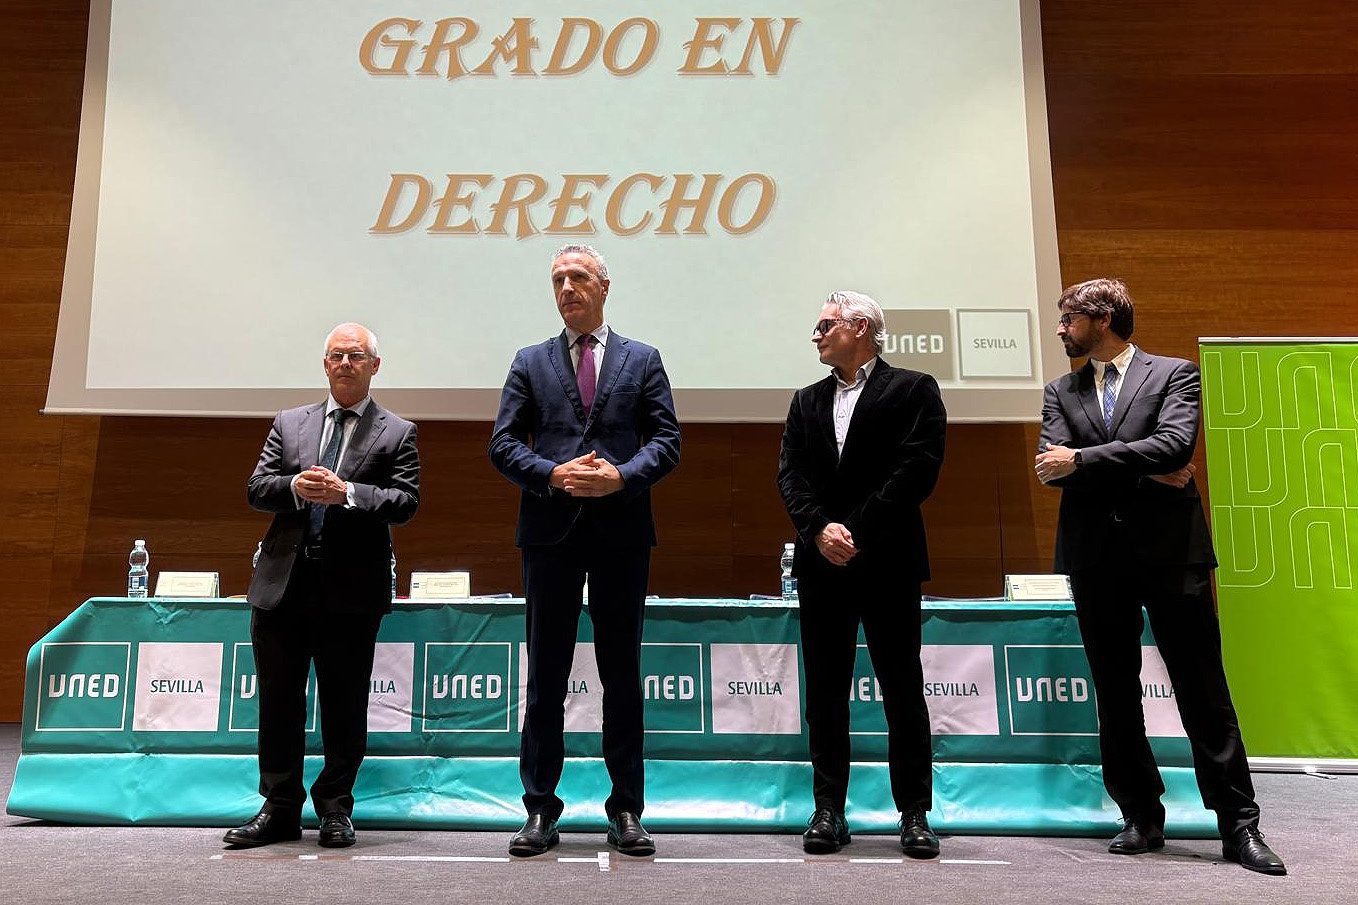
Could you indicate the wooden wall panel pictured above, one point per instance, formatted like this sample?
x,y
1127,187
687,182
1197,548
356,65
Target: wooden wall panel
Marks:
x,y
1201,149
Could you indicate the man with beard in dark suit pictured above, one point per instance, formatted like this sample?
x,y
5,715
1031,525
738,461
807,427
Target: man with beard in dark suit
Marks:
x,y
1117,438
861,452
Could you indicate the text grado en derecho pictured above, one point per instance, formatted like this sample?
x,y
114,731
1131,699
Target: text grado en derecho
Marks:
x,y
573,204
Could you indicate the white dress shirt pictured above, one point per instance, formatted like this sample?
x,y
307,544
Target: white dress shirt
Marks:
x,y
846,397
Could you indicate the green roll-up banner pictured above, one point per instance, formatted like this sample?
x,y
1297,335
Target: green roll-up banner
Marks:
x,y
1281,426
145,712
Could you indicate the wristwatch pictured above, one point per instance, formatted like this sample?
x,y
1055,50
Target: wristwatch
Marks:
x,y
1079,459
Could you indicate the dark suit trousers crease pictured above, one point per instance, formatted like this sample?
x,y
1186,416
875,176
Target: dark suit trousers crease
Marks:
x,y
1109,603
286,641
889,610
553,577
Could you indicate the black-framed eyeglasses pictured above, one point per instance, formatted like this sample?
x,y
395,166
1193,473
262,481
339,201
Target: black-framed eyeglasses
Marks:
x,y
1064,319
826,324
354,358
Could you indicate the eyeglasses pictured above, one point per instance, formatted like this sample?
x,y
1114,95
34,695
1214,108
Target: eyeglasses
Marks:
x,y
826,324
354,358
1064,320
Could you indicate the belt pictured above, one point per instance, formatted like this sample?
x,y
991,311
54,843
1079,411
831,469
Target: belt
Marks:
x,y
310,551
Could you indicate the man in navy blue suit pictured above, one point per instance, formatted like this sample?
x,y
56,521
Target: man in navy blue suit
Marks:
x,y
586,426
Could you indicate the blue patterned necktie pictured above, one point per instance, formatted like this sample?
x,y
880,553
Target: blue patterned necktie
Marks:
x,y
329,459
1110,395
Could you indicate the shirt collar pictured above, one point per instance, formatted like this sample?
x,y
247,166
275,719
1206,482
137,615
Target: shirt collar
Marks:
x,y
863,374
357,408
600,336
1122,360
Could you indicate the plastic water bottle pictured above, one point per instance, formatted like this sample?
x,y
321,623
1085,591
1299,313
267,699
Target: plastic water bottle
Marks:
x,y
137,574
789,583
393,574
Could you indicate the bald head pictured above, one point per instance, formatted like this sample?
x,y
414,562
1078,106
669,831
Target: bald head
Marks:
x,y
369,338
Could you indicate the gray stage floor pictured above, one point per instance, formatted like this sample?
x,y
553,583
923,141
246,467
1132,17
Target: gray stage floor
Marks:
x,y
1306,818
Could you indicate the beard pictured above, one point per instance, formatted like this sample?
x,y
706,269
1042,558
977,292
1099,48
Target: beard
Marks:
x,y
1075,349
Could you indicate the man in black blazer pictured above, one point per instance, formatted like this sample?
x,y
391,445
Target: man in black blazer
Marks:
x,y
1117,438
336,475
861,451
586,426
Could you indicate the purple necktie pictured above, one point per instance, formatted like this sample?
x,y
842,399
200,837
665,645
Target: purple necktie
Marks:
x,y
584,372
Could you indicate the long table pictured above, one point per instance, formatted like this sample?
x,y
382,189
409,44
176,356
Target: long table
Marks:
x,y
145,712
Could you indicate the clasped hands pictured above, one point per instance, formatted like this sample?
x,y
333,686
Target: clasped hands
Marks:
x,y
587,475
319,484
1059,461
836,544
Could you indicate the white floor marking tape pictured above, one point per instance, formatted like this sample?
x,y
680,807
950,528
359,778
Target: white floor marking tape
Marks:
x,y
452,858
969,861
730,860
876,860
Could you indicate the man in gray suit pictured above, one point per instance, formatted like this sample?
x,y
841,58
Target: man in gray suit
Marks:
x,y
336,475
1118,438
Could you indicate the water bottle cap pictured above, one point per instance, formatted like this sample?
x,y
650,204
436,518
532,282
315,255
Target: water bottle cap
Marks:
x,y
789,546
139,543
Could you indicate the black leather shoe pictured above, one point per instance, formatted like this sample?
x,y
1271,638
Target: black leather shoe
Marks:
x,y
1136,839
917,840
628,836
537,835
337,830
826,832
1248,849
266,828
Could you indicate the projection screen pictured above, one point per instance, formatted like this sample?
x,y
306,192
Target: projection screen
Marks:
x,y
252,173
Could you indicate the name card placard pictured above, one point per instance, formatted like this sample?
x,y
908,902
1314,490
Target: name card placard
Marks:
x,y
440,585
1037,587
188,584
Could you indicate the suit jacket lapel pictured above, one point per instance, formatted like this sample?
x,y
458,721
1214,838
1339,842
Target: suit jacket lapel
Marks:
x,y
825,413
1137,372
309,436
615,356
867,398
560,353
366,432
1089,401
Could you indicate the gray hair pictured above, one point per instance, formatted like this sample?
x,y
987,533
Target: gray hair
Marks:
x,y
589,251
370,345
853,305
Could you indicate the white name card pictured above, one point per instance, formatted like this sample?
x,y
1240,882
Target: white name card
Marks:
x,y
188,584
1037,587
440,585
